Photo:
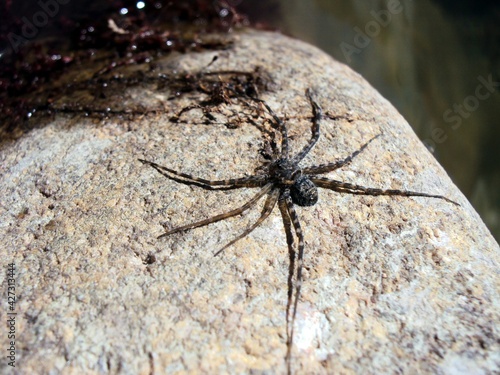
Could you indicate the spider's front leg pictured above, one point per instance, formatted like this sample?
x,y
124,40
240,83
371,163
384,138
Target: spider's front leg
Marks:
x,y
184,178
317,114
329,167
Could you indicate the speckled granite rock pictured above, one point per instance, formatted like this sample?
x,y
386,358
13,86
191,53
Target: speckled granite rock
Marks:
x,y
392,284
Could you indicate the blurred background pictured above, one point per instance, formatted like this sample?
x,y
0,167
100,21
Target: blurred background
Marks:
x,y
436,61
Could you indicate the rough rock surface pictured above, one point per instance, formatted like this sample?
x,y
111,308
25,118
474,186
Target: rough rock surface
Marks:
x,y
392,284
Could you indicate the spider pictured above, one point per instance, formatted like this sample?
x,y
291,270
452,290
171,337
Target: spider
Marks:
x,y
286,184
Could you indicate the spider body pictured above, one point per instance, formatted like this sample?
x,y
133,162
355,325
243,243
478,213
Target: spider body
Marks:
x,y
286,184
287,175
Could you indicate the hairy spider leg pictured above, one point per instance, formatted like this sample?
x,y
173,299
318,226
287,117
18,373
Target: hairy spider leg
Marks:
x,y
345,187
266,189
317,113
266,211
232,183
328,167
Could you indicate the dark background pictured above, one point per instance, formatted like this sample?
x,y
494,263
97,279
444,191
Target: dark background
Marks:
x,y
427,59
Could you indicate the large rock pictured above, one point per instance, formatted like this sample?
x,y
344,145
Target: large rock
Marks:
x,y
391,284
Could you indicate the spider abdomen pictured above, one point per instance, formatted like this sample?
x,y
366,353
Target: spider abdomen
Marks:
x,y
303,192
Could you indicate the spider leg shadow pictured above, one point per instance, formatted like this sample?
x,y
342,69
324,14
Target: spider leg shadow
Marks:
x,y
287,223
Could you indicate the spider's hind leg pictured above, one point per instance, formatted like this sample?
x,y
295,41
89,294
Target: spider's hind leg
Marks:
x,y
223,216
345,187
271,200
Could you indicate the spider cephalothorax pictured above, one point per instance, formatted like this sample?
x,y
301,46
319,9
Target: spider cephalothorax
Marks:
x,y
287,174
284,183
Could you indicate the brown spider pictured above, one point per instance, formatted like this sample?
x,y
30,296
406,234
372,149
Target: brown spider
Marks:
x,y
284,183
